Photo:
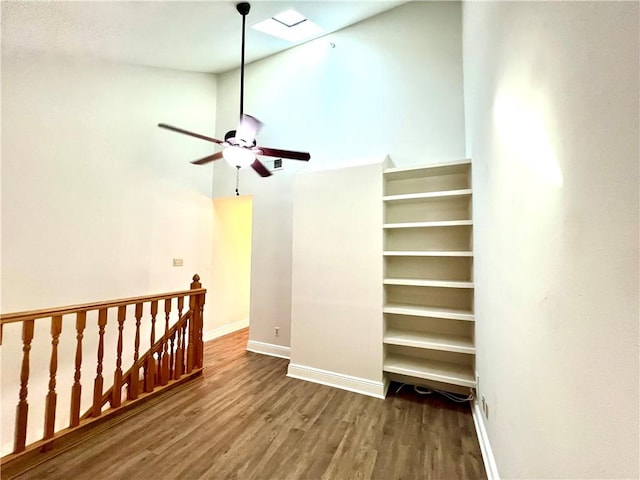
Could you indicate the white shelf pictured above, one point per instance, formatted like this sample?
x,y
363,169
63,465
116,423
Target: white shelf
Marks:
x,y
430,370
422,253
423,311
431,341
442,223
414,197
413,282
435,169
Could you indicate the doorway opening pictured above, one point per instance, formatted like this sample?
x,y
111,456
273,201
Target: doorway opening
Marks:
x,y
231,269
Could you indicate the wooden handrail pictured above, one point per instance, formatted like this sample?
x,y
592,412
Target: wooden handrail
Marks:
x,y
170,359
13,317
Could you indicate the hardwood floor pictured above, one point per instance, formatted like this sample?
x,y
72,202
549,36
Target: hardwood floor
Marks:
x,y
245,419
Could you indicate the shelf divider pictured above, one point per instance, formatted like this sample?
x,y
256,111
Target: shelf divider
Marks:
x,y
446,372
424,311
433,341
427,253
415,282
440,223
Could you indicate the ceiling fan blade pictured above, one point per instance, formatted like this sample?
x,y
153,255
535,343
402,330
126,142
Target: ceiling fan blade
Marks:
x,y
210,158
260,168
248,128
275,152
192,134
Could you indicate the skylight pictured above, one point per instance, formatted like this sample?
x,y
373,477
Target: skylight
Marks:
x,y
289,25
290,18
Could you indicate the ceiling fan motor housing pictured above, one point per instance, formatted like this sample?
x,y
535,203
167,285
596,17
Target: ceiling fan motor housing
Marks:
x,y
243,8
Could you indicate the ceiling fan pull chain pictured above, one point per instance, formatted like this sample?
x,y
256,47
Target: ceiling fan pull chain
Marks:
x,y
237,181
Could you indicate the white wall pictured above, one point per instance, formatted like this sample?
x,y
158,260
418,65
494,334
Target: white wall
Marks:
x,y
96,199
392,85
552,109
336,315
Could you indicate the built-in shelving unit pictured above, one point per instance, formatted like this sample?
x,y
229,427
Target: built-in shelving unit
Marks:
x,y
428,257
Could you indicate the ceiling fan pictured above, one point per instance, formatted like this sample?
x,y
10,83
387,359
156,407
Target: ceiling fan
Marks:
x,y
240,148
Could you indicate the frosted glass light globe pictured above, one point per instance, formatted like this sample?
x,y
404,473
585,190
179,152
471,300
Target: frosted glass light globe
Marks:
x,y
238,156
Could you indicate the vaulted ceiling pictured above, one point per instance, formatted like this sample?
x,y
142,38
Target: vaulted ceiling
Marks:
x,y
202,36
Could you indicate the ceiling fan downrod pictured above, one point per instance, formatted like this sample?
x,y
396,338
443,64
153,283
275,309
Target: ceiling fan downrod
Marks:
x,y
243,9
239,145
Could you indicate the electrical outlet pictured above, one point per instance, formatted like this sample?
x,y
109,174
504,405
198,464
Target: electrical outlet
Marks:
x,y
277,331
178,262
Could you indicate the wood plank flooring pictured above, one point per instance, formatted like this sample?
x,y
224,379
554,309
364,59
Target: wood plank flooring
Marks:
x,y
246,420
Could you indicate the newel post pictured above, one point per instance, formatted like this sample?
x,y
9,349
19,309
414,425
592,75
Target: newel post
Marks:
x,y
194,350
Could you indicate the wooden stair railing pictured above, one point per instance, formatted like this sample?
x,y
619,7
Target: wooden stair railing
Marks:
x,y
170,360
172,368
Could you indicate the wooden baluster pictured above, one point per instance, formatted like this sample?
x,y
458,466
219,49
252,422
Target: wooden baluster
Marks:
x,y
146,384
150,371
185,336
200,343
177,373
192,335
180,306
172,356
158,365
76,390
116,398
22,409
159,361
154,368
164,376
154,313
179,367
98,384
134,381
52,396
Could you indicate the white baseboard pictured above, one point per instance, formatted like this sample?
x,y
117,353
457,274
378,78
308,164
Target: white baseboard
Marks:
x,y
485,447
337,380
224,330
269,349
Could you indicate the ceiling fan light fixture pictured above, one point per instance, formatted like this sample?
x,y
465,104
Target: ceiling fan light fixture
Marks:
x,y
238,157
